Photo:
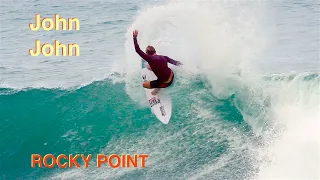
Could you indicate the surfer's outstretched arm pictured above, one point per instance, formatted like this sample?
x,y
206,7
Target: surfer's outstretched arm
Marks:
x,y
138,50
174,62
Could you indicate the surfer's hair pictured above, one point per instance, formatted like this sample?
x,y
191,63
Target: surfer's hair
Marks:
x,y
150,50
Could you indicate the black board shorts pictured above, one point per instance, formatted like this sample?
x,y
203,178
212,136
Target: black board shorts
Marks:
x,y
159,84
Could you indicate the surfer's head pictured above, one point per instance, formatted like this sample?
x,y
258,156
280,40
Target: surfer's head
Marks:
x,y
150,50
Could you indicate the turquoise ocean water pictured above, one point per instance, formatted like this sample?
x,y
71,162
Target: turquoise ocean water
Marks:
x,y
245,103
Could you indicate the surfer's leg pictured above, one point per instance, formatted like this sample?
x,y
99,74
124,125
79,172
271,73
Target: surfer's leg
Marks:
x,y
167,84
158,86
147,85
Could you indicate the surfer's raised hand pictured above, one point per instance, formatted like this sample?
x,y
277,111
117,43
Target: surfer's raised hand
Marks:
x,y
135,33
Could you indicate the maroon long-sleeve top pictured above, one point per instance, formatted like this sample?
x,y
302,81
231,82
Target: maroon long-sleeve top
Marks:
x,y
158,63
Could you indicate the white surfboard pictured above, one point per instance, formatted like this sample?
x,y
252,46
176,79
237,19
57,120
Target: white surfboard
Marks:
x,y
160,104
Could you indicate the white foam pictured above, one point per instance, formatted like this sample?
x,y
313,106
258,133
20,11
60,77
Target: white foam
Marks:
x,y
294,151
213,38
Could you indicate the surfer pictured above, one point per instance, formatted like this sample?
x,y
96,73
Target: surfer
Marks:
x,y
158,64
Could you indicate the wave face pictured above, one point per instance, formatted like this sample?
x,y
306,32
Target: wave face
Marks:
x,y
259,132
229,120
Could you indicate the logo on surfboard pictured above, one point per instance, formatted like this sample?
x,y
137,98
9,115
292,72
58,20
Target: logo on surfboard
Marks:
x,y
144,77
153,101
163,112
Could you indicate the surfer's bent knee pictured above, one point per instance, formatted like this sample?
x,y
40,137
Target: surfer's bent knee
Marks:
x,y
146,84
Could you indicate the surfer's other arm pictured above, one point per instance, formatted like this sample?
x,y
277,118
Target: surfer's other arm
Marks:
x,y
174,62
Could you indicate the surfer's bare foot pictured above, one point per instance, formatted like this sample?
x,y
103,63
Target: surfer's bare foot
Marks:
x,y
155,91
